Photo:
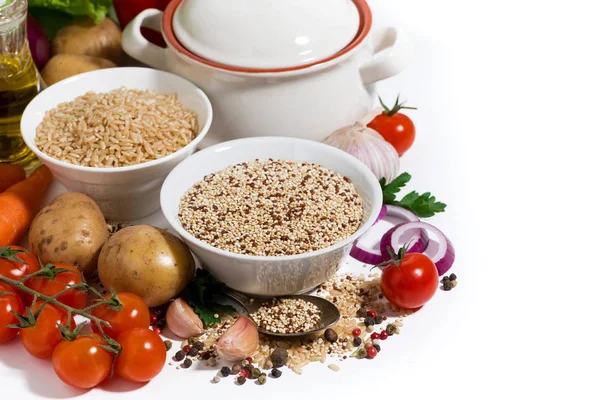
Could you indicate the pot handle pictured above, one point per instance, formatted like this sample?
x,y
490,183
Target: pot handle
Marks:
x,y
136,45
392,50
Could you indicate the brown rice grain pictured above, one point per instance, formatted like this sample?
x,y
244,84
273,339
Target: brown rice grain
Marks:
x,y
133,126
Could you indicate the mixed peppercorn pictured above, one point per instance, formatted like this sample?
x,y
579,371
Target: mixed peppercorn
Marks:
x,y
449,282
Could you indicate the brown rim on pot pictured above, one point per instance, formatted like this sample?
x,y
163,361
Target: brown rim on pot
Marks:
x,y
366,20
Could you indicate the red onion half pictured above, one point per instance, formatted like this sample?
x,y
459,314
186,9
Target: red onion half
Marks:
x,y
418,237
441,252
367,255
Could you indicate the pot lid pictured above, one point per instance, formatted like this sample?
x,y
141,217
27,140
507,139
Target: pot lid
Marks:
x,y
266,34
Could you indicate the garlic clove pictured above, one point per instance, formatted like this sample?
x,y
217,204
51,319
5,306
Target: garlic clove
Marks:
x,y
182,320
239,341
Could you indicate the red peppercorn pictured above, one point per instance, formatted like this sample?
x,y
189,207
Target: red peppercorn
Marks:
x,y
244,373
153,319
371,352
157,330
383,335
186,349
249,359
372,314
356,332
375,335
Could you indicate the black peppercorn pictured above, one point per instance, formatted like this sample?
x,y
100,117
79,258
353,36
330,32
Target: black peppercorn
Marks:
x,y
447,285
180,355
193,352
241,380
377,347
357,341
206,355
225,371
276,373
369,321
330,335
198,345
452,277
444,279
187,363
378,319
279,357
361,313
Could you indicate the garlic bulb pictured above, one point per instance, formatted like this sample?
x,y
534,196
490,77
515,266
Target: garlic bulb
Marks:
x,y
182,320
239,341
369,147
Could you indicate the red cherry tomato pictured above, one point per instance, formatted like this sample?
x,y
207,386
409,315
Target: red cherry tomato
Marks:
x,y
412,284
9,302
49,287
26,264
41,339
397,129
82,363
134,314
142,356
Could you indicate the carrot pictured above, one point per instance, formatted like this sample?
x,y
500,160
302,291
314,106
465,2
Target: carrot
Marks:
x,y
9,175
20,203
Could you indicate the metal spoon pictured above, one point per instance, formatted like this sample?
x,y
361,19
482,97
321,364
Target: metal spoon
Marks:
x,y
329,312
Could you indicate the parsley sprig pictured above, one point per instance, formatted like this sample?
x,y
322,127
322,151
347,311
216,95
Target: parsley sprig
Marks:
x,y
422,205
201,292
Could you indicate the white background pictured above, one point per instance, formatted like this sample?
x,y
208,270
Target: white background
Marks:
x,y
508,97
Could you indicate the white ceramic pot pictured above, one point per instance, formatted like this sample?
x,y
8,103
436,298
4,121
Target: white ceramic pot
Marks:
x,y
310,99
122,193
270,276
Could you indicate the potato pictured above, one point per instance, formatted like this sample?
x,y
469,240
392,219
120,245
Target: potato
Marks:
x,y
86,38
147,261
69,230
64,66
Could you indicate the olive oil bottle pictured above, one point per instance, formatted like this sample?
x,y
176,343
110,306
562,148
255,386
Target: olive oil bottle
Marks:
x,y
19,82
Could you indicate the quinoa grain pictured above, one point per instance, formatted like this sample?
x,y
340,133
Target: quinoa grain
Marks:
x,y
272,208
287,316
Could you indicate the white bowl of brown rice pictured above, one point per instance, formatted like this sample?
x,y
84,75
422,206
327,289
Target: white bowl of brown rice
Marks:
x,y
115,134
271,216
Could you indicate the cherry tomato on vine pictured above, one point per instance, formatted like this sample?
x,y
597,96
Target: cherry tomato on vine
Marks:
x,y
396,128
73,298
134,314
142,356
16,262
82,363
43,336
412,283
9,302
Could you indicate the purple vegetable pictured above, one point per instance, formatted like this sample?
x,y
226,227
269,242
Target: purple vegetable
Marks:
x,y
440,251
38,43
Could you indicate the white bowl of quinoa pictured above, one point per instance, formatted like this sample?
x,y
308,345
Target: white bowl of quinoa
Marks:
x,y
271,216
115,134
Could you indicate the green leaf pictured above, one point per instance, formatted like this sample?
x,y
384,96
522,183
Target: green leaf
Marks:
x,y
201,291
423,206
95,9
390,190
